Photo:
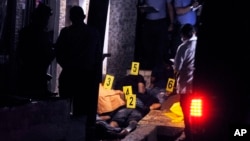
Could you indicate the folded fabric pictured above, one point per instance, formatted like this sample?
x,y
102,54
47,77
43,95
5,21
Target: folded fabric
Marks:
x,y
109,100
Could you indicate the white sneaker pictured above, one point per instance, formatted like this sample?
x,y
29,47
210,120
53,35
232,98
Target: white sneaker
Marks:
x,y
182,137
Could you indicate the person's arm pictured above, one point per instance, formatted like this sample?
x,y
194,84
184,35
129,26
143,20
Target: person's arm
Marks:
x,y
141,88
171,16
152,81
59,47
155,106
176,74
183,10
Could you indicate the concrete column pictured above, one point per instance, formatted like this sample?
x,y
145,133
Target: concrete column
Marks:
x,y
121,37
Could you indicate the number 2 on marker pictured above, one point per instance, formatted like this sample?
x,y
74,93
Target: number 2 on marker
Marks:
x,y
131,101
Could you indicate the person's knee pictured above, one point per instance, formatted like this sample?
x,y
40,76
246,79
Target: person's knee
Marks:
x,y
133,122
114,124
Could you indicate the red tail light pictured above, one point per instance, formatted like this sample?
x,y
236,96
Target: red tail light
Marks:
x,y
196,107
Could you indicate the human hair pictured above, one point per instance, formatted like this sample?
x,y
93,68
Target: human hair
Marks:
x,y
187,31
41,13
76,14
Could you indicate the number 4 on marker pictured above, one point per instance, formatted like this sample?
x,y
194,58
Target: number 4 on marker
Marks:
x,y
127,90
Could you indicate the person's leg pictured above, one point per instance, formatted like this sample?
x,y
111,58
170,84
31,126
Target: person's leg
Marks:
x,y
113,128
114,124
162,41
148,50
132,121
159,93
185,104
120,117
81,104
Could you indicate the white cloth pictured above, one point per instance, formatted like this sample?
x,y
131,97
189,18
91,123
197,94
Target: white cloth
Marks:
x,y
184,64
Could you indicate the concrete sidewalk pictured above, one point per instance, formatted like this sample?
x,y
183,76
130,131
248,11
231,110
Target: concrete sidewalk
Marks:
x,y
157,126
46,120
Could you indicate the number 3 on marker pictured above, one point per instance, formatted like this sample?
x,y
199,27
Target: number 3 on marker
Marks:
x,y
170,85
131,101
108,82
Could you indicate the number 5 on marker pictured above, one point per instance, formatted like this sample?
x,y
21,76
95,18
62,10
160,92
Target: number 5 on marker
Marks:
x,y
170,85
108,82
134,68
131,101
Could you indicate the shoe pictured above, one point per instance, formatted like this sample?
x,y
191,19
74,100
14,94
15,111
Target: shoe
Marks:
x,y
105,126
182,137
123,134
106,132
132,126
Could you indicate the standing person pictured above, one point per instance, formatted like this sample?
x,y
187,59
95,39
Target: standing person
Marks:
x,y
35,54
155,30
79,53
184,69
186,13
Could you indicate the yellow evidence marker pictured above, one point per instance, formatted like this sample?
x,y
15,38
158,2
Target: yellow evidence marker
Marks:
x,y
108,82
131,101
127,90
170,85
135,68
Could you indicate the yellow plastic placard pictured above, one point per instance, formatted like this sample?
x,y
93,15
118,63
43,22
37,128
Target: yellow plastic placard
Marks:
x,y
176,108
176,113
127,90
131,101
108,82
170,85
135,68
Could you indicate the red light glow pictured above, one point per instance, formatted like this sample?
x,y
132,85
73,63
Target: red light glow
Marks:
x,y
196,108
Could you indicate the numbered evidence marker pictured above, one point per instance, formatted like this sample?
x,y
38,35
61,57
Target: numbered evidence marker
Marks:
x,y
170,85
131,101
135,68
127,90
108,82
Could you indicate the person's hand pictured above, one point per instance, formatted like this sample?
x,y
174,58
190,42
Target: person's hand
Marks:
x,y
195,4
168,93
155,106
171,27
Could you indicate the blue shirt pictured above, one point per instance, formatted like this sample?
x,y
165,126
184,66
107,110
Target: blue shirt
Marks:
x,y
161,6
189,17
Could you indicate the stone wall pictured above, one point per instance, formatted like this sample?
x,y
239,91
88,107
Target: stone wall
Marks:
x,y
121,42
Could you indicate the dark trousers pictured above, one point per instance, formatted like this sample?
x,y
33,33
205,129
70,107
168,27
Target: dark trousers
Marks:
x,y
185,105
154,42
82,88
125,115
